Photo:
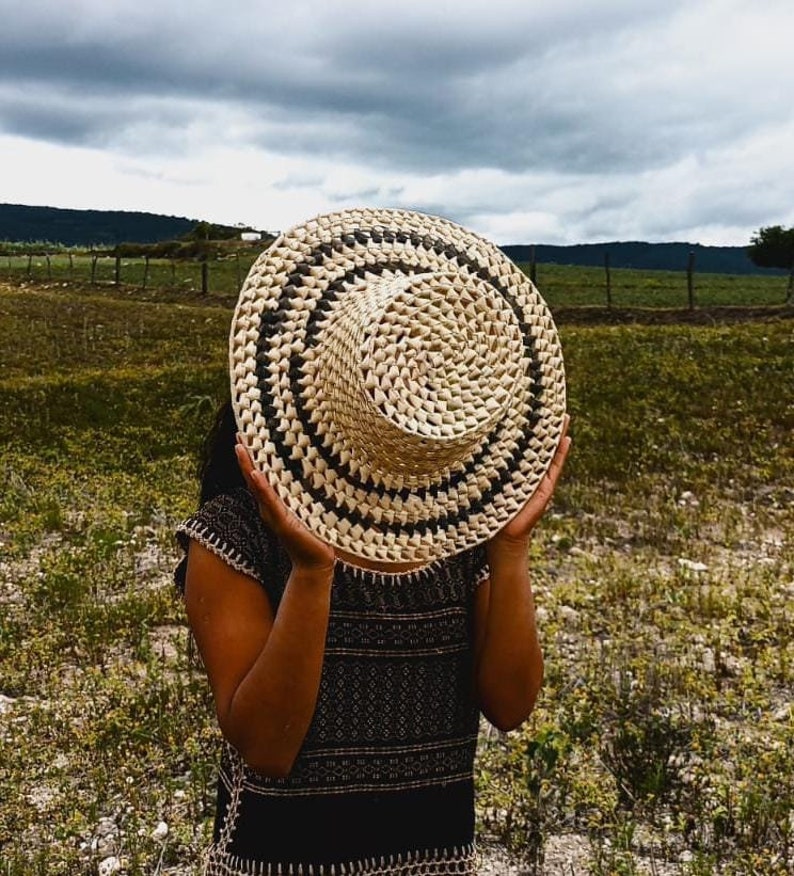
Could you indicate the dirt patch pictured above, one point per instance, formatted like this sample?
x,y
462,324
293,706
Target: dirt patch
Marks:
x,y
584,315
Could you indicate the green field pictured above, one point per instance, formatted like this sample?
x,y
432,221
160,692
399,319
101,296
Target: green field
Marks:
x,y
569,286
664,575
224,273
561,285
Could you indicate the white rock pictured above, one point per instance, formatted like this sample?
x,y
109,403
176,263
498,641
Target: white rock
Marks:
x,y
731,665
106,827
692,565
161,831
782,714
109,865
106,845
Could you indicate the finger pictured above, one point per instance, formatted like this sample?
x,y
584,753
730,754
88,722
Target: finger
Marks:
x,y
540,499
264,490
245,462
563,446
269,503
558,460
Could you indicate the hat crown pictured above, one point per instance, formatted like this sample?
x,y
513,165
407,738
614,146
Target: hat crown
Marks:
x,y
418,369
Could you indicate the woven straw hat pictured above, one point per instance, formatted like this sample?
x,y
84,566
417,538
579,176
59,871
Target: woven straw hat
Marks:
x,y
399,380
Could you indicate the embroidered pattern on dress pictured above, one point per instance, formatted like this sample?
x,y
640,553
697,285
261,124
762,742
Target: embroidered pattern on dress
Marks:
x,y
435,862
384,577
358,770
354,632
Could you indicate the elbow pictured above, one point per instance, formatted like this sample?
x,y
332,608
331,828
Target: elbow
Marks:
x,y
507,718
269,767
264,757
507,708
266,760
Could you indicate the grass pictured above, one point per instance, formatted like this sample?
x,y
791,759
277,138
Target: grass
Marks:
x,y
664,579
569,286
562,285
225,273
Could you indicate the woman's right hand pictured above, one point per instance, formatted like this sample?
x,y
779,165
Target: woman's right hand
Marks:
x,y
307,552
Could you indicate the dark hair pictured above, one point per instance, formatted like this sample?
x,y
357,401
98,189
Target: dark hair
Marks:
x,y
218,469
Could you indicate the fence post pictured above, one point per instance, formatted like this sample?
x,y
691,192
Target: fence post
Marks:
x,y
533,267
49,265
608,279
71,267
690,279
205,281
30,263
94,258
117,270
173,272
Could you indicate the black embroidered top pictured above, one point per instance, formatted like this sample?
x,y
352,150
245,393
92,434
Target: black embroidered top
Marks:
x,y
383,785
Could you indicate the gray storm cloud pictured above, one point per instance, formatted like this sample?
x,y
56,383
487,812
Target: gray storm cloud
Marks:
x,y
608,101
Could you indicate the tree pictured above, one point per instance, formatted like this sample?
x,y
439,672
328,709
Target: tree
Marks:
x,y
211,231
773,247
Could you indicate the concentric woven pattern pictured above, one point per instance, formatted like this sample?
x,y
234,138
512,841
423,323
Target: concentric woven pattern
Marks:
x,y
398,379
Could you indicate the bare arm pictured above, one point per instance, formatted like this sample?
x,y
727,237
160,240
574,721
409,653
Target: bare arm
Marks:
x,y
264,669
509,662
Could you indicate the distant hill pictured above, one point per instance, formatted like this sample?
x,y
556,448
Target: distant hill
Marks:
x,y
22,224
644,256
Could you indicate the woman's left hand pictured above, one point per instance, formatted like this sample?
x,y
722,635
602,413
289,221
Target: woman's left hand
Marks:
x,y
305,549
515,534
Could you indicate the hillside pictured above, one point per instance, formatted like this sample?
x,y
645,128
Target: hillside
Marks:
x,y
644,256
22,224
19,223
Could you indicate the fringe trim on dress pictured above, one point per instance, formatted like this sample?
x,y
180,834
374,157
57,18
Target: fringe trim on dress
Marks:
x,y
438,862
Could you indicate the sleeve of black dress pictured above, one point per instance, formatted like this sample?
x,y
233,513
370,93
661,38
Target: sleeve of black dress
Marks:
x,y
230,527
474,566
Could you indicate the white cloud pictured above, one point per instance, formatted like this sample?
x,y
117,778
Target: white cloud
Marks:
x,y
565,122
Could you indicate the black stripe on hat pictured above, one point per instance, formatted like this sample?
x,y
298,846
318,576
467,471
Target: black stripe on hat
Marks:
x,y
270,325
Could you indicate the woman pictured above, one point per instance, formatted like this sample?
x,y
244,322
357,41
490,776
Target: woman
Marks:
x,y
264,660
349,688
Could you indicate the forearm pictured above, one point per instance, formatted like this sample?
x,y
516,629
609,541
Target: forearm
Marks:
x,y
509,669
269,714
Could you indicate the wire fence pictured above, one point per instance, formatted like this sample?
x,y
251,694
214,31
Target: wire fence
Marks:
x,y
560,285
220,274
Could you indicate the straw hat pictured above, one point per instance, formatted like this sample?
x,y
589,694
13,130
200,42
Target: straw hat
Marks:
x,y
399,380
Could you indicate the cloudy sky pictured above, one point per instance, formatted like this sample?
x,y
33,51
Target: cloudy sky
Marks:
x,y
526,120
